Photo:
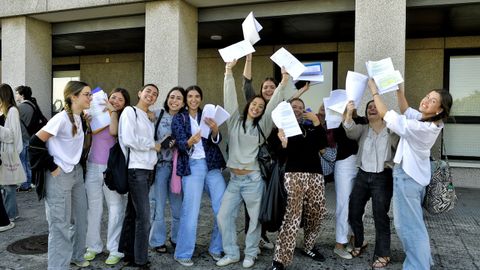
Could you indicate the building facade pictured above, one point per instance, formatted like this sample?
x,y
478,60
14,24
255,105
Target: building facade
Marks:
x,y
126,43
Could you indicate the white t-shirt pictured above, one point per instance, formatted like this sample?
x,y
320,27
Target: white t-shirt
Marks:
x,y
416,139
198,151
65,149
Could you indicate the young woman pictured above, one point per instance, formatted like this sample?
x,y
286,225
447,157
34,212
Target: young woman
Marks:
x,y
136,136
374,179
57,148
174,103
11,141
418,131
26,105
305,188
246,183
200,162
102,140
267,89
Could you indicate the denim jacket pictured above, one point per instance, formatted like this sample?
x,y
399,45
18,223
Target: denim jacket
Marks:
x,y
181,131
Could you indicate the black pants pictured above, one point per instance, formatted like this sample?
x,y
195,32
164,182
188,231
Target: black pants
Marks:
x,y
136,225
4,220
378,186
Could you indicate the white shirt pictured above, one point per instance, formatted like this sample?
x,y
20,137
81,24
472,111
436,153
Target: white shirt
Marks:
x,y
416,140
198,151
136,133
65,149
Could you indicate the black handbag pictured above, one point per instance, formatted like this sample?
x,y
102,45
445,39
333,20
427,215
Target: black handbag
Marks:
x,y
264,157
274,200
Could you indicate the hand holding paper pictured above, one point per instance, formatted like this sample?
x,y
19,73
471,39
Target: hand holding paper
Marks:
x,y
355,86
283,58
384,74
212,113
100,117
236,51
284,118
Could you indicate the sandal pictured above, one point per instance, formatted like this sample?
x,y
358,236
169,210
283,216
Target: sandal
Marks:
x,y
161,249
380,262
359,250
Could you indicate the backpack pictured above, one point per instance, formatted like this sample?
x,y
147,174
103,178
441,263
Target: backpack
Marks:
x,y
38,119
116,174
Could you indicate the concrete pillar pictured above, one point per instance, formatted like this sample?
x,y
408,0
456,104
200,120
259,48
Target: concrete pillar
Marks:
x,y
170,45
380,33
27,57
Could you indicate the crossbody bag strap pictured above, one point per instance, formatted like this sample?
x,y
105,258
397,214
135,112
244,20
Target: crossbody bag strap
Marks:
x,y
261,133
155,137
128,149
442,146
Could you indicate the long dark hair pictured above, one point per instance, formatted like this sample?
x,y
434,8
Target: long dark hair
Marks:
x,y
264,81
182,91
446,102
126,97
245,112
6,98
193,88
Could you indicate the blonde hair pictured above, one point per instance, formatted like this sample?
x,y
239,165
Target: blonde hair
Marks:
x,y
73,88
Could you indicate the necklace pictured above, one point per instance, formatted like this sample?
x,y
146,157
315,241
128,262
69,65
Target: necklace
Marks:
x,y
304,131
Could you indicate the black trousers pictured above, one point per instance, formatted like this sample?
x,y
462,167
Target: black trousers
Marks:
x,y
4,220
379,187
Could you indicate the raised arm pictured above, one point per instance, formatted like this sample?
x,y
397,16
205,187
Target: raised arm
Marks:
x,y
300,91
230,101
402,101
352,130
248,90
381,107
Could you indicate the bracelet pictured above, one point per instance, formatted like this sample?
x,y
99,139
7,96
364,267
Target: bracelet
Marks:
x,y
375,94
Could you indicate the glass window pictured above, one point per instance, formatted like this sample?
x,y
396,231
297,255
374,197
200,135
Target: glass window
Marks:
x,y
463,81
60,79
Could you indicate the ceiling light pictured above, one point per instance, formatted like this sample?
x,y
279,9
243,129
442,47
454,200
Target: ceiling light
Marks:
x,y
216,37
79,47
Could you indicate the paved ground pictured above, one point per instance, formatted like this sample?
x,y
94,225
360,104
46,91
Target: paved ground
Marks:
x,y
454,239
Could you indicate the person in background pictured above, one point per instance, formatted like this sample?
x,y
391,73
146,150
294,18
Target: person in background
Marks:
x,y
11,141
103,139
174,103
5,223
55,153
305,187
374,179
26,104
246,183
200,162
418,131
136,137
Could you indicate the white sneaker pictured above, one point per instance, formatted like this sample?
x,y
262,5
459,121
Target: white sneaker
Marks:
x,y
226,261
81,264
184,262
248,262
7,227
266,245
343,253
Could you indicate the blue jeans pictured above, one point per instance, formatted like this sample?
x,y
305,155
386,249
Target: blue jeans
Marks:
x,y
158,199
193,186
248,188
10,200
409,224
136,224
24,158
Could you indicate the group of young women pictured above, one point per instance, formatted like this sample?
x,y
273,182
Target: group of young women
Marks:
x,y
380,156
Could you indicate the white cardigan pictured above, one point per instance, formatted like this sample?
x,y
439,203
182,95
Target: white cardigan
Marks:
x,y
11,139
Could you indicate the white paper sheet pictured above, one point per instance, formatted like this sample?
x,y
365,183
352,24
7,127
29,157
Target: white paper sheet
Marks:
x,y
313,73
338,101
284,117
355,87
380,66
387,82
217,113
236,51
332,118
100,117
251,27
284,58
384,74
